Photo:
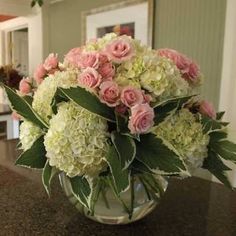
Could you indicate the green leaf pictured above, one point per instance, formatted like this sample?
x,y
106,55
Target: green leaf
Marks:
x,y
125,147
81,190
122,124
122,127
217,136
121,177
40,2
164,109
214,164
154,184
47,175
210,124
139,167
58,98
89,101
154,154
23,108
226,149
219,115
33,3
97,188
28,99
35,157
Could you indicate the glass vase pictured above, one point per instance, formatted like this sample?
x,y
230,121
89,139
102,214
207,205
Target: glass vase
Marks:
x,y
135,203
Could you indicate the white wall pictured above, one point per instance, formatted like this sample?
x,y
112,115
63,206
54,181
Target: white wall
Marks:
x,y
228,82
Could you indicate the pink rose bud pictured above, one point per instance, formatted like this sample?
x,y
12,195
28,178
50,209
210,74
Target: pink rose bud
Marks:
x,y
15,115
51,62
131,96
141,119
89,78
89,59
73,56
147,98
109,93
207,109
103,58
25,86
106,70
39,74
187,67
119,50
121,109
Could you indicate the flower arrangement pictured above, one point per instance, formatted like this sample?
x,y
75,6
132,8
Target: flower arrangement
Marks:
x,y
115,110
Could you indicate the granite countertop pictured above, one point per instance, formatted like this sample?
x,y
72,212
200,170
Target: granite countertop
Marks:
x,y
193,207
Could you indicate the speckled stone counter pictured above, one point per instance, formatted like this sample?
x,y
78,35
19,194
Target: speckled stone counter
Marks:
x,y
191,207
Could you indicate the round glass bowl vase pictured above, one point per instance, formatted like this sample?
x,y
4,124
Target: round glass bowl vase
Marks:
x,y
134,204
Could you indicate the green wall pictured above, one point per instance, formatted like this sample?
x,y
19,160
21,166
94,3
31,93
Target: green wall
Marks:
x,y
194,27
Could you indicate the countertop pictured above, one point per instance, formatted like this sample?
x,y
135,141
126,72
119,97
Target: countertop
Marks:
x,y
193,207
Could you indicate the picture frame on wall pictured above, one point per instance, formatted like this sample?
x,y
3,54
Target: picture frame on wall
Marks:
x,y
133,18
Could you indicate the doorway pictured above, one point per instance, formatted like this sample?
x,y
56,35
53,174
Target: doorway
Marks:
x,y
17,50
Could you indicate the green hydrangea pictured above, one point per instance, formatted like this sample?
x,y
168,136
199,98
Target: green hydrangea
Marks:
x,y
96,45
43,96
185,134
123,81
77,141
29,133
162,78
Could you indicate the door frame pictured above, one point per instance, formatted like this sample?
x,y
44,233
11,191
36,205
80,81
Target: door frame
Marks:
x,y
35,38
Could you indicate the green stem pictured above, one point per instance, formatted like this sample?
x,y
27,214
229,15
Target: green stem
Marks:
x,y
132,197
96,195
145,187
119,199
103,191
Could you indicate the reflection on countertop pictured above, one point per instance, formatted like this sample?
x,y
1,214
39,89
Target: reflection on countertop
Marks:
x,y
191,207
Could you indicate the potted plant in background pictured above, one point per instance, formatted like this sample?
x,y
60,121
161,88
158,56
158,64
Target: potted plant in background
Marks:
x,y
116,120
11,77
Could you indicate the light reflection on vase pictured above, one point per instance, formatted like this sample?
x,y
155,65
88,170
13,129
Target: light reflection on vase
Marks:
x,y
110,210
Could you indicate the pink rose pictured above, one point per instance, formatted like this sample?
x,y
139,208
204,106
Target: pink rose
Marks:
x,y
119,50
141,119
109,93
51,62
131,96
89,78
193,72
207,109
25,86
73,56
106,70
89,59
187,67
39,74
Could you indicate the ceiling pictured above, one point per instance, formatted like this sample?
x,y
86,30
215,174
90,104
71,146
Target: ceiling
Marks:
x,y
6,17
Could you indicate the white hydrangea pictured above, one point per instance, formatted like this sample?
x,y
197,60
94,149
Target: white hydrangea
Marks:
x,y
43,96
77,141
177,87
186,135
156,78
29,133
